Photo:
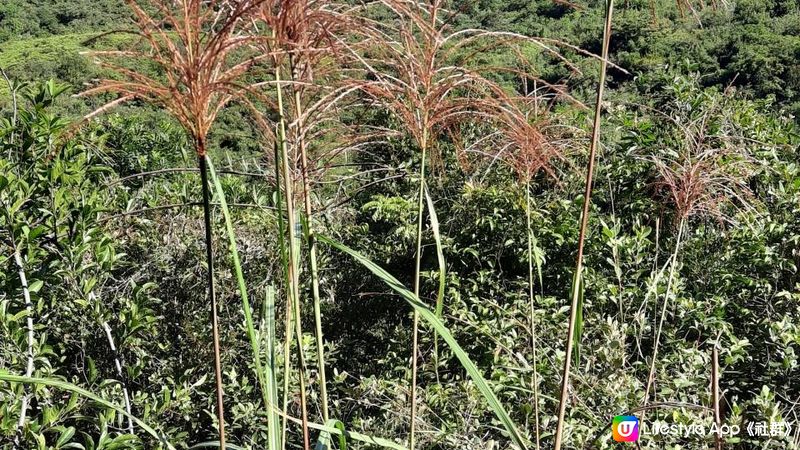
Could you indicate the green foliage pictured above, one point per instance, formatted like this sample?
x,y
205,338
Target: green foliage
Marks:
x,y
37,18
106,242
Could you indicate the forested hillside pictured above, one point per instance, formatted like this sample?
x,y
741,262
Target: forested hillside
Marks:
x,y
274,224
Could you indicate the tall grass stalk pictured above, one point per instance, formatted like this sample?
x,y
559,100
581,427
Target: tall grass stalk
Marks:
x,y
311,239
532,300
279,24
211,294
198,49
292,266
287,322
414,73
262,376
302,37
417,264
706,176
26,295
562,401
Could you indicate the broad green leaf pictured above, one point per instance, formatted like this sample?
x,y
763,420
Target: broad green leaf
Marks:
x,y
324,440
65,436
35,286
248,315
69,387
442,331
439,253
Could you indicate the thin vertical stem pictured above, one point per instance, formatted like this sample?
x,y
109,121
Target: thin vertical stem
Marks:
x,y
673,263
117,364
26,295
715,395
292,267
287,323
417,265
562,403
533,313
311,237
201,161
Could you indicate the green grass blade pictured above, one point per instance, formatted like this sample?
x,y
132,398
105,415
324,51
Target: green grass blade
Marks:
x,y
215,444
269,402
439,253
442,331
69,387
578,336
324,440
354,436
271,374
437,237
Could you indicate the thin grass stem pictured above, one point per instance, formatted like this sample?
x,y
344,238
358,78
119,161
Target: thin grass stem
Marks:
x,y
415,329
562,402
293,297
311,239
201,160
670,278
532,299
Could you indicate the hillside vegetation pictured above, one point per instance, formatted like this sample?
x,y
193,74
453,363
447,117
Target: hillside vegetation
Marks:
x,y
357,225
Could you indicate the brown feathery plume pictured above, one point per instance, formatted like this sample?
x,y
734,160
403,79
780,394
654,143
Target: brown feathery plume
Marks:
x,y
304,53
525,146
413,74
526,140
705,182
194,47
429,77
705,177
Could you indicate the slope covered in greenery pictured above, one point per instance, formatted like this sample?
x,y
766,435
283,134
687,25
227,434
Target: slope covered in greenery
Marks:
x,y
396,148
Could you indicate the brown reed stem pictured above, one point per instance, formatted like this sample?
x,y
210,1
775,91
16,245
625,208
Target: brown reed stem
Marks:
x,y
562,403
292,267
311,237
201,161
